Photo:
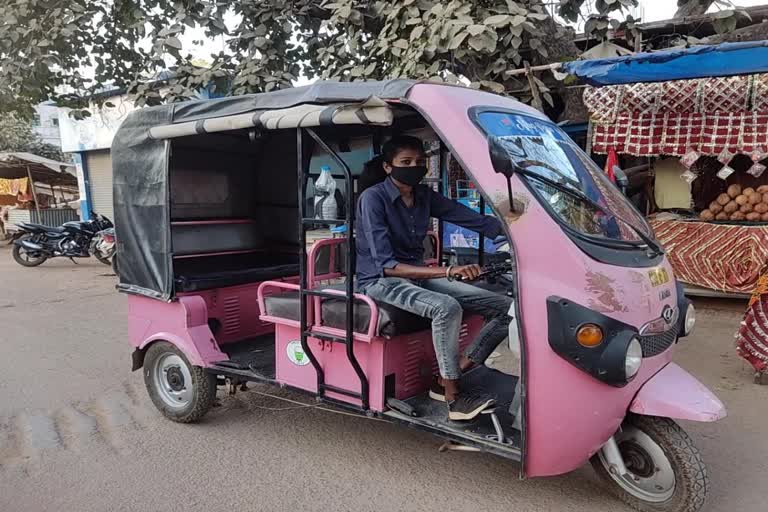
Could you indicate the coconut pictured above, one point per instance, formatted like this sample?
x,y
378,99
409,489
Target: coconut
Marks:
x,y
762,189
761,208
742,199
754,198
723,199
724,216
738,216
707,216
731,207
747,191
734,190
746,208
716,207
753,216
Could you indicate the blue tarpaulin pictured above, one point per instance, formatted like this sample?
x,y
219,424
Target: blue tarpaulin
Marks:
x,y
725,59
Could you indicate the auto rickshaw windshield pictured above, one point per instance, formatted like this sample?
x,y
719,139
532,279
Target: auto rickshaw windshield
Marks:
x,y
595,208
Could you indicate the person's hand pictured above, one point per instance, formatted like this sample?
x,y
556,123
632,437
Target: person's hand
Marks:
x,y
466,272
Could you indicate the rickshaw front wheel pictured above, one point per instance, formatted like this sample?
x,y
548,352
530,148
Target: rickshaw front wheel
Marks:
x,y
665,470
179,390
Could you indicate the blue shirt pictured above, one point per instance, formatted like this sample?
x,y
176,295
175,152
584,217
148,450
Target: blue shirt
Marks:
x,y
388,232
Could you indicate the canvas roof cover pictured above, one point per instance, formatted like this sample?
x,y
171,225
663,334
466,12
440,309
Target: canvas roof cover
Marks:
x,y
725,59
140,167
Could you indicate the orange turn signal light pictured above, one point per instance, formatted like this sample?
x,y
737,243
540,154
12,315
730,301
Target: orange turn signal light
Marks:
x,y
589,335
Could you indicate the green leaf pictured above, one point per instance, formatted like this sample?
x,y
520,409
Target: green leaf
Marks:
x,y
401,43
417,32
499,19
476,29
493,86
483,43
173,42
457,40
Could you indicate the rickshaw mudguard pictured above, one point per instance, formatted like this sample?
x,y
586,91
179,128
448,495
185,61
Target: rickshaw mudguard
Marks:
x,y
183,323
675,393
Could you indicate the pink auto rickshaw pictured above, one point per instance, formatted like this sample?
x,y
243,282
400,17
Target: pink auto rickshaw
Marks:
x,y
232,278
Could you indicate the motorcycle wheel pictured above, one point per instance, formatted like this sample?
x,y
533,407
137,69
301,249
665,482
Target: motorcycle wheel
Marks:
x,y
25,258
114,265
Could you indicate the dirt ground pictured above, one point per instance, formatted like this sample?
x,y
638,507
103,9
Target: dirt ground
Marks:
x,y
78,432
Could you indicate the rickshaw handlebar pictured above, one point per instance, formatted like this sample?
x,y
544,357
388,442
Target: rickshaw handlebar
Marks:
x,y
492,270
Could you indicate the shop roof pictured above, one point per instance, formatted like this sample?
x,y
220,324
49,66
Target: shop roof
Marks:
x,y
727,59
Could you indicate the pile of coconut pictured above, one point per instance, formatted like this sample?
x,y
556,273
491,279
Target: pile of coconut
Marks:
x,y
737,204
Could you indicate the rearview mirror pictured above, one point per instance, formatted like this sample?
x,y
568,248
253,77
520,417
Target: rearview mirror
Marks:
x,y
500,159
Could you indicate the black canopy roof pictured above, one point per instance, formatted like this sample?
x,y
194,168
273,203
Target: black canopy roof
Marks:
x,y
140,169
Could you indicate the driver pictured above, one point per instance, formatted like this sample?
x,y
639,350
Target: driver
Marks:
x,y
393,220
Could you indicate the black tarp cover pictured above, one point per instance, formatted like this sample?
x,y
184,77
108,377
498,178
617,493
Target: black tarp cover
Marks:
x,y
140,171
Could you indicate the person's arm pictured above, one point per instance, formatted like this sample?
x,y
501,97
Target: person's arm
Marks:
x,y
467,272
374,226
456,213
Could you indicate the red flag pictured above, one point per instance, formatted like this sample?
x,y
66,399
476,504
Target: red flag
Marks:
x,y
611,162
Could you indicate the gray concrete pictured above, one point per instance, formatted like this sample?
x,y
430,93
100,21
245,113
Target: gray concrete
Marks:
x,y
78,432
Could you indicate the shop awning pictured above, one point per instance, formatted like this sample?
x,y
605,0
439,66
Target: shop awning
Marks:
x,y
727,59
43,170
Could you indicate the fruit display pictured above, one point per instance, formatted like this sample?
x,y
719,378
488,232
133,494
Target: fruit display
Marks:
x,y
739,204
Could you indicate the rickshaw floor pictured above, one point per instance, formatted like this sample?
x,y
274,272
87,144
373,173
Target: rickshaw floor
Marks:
x,y
255,354
500,385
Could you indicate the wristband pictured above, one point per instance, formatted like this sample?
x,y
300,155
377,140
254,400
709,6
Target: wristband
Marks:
x,y
448,275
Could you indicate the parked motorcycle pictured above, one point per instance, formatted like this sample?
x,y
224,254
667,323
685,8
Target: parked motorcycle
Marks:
x,y
35,243
103,246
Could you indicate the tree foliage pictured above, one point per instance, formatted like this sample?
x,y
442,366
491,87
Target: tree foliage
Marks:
x,y
70,49
17,135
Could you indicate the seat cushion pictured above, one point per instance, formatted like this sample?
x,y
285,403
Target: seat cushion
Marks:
x,y
392,321
231,270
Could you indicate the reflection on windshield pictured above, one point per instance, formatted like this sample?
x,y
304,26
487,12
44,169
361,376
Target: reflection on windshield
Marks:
x,y
541,148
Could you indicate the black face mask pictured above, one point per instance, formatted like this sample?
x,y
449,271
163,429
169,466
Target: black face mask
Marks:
x,y
410,176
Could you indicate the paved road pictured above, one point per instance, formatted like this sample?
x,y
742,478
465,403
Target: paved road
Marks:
x,y
77,431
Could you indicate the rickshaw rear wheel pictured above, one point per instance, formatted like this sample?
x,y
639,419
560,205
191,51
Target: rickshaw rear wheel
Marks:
x,y
666,472
184,393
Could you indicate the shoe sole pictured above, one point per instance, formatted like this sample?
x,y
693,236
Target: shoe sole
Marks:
x,y
465,416
434,395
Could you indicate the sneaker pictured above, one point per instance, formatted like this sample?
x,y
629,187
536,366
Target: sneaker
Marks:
x,y
437,392
468,405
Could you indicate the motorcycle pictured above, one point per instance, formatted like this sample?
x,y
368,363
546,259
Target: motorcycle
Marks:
x,y
35,243
103,246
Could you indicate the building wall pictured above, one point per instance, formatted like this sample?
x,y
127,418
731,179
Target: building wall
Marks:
x,y
46,123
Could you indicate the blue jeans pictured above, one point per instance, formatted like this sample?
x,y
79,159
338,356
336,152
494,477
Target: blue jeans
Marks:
x,y
444,302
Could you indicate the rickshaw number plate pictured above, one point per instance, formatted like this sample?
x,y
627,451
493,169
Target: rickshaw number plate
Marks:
x,y
658,276
296,353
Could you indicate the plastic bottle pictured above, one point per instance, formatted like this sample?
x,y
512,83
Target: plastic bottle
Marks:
x,y
325,200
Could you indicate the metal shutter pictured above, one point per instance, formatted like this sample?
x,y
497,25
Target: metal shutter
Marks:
x,y
100,176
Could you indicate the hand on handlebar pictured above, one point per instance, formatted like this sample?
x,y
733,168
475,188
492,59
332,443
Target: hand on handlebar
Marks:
x,y
466,272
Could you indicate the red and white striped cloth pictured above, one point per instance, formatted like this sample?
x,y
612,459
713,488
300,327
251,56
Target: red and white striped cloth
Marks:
x,y
721,257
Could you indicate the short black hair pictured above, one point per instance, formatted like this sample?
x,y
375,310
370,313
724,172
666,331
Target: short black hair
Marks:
x,y
394,145
373,171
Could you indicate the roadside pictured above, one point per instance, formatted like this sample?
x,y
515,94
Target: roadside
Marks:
x,y
78,432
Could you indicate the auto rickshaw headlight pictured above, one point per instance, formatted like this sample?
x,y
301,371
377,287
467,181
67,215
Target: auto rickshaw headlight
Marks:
x,y
589,335
633,359
690,320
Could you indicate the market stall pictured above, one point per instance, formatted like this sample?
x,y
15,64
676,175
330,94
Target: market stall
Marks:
x,y
36,189
707,142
